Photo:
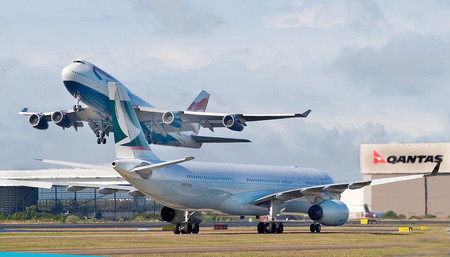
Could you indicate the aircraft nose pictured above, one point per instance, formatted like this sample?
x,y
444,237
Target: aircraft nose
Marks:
x,y
67,73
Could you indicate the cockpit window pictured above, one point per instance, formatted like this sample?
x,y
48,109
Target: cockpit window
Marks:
x,y
78,61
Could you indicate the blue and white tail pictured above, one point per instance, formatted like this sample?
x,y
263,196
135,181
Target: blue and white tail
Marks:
x,y
128,136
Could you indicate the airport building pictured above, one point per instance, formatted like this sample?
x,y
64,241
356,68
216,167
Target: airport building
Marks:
x,y
89,202
417,197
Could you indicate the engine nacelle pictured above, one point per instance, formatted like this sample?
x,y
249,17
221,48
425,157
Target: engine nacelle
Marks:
x,y
330,213
171,118
61,119
171,215
37,121
232,122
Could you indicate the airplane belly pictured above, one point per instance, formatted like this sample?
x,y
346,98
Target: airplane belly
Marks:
x,y
93,98
181,195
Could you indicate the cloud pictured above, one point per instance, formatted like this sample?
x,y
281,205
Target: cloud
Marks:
x,y
177,17
407,64
362,15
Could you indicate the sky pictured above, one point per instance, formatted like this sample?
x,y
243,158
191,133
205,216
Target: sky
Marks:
x,y
371,71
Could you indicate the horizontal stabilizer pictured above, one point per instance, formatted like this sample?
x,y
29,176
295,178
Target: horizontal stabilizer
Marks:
x,y
201,139
75,165
146,170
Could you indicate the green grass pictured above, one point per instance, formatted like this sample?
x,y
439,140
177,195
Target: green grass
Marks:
x,y
433,241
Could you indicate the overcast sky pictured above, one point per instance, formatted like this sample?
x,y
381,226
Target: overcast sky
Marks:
x,y
371,71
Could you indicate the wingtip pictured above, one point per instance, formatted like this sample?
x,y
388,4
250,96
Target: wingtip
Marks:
x,y
39,159
305,114
435,170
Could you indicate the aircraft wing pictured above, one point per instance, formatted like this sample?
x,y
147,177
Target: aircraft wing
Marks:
x,y
177,121
324,191
62,118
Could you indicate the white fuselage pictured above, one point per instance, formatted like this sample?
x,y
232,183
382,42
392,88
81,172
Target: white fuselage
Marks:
x,y
227,188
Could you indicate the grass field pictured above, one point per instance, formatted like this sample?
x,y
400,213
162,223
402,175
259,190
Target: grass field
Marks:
x,y
349,240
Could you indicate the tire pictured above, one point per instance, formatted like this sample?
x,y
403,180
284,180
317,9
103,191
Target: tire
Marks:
x,y
279,227
99,141
176,228
318,228
312,228
195,228
187,227
261,228
103,140
271,227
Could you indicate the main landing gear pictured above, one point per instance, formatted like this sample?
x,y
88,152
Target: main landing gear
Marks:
x,y
190,225
270,227
100,137
186,228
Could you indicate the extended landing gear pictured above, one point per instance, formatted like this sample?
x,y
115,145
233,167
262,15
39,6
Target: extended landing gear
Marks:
x,y
315,228
270,227
77,108
100,137
186,228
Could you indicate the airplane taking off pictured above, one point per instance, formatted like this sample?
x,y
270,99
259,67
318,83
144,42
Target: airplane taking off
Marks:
x,y
190,189
89,84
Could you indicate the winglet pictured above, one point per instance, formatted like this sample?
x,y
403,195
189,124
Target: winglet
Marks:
x,y
24,109
435,170
304,115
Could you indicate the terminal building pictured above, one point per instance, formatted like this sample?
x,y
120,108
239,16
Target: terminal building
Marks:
x,y
425,196
89,202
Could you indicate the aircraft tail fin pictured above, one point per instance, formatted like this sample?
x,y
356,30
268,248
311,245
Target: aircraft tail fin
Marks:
x,y
128,136
200,102
199,105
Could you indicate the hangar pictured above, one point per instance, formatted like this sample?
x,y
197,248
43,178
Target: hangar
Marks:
x,y
415,197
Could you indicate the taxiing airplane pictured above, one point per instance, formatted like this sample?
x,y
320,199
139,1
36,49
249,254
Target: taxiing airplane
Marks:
x,y
188,189
89,84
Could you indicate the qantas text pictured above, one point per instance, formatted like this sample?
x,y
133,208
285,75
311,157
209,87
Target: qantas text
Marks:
x,y
414,159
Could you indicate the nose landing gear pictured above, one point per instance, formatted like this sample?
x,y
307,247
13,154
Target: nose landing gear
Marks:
x,y
315,227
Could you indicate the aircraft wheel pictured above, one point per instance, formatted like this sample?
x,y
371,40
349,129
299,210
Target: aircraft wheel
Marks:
x,y
279,227
315,228
102,133
176,228
271,227
318,228
77,108
103,140
195,228
187,228
99,141
261,227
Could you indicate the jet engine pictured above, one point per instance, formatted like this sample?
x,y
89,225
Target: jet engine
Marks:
x,y
172,118
61,119
171,215
230,121
330,213
37,121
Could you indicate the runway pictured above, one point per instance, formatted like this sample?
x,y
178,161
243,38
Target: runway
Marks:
x,y
115,239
